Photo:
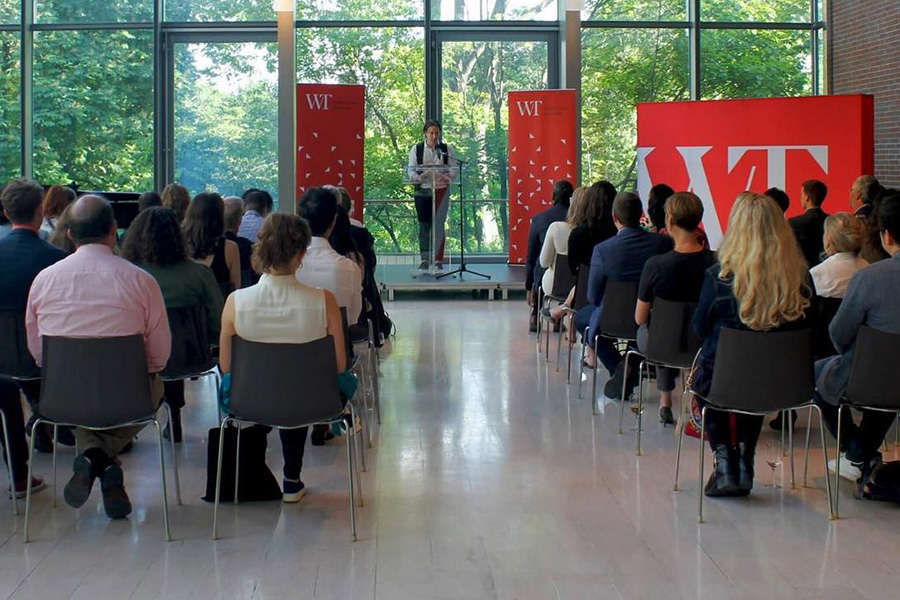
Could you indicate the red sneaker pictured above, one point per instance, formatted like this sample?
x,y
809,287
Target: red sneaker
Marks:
x,y
37,484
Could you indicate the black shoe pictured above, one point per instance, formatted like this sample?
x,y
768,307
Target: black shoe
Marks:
x,y
721,481
78,489
613,387
115,500
867,469
423,266
744,475
65,436
776,422
532,325
665,416
320,436
175,425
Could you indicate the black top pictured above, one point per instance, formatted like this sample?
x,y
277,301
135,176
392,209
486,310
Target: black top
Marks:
x,y
675,276
582,241
809,229
22,256
219,266
540,223
245,249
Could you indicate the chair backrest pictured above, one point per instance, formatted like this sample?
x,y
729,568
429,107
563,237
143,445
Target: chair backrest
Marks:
x,y
672,340
95,382
191,354
874,376
826,308
284,385
763,371
15,360
563,277
345,327
581,288
617,316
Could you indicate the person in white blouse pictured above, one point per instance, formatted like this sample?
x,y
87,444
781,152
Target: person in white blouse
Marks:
x,y
557,240
431,153
843,240
323,267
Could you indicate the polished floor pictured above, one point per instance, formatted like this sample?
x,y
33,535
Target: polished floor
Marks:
x,y
489,480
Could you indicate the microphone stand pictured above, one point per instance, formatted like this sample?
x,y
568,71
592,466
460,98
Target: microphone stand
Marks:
x,y
462,229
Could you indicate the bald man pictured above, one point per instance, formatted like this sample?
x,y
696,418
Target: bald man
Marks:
x,y
95,294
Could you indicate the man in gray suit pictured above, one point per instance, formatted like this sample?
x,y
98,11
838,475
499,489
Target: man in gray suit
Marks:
x,y
871,300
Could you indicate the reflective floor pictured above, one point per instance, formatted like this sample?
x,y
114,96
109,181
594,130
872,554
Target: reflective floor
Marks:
x,y
489,479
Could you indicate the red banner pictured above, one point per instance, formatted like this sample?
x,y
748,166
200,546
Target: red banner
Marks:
x,y
717,149
331,126
542,150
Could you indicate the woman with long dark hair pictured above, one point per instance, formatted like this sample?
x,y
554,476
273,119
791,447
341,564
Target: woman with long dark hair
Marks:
x,y
204,233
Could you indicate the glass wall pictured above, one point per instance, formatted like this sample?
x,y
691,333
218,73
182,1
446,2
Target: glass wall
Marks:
x,y
113,108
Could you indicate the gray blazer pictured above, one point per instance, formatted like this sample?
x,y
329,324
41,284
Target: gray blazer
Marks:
x,y
871,299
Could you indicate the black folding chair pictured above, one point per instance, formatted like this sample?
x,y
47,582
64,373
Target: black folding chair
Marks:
x,y
579,302
672,344
563,282
757,373
97,384
873,385
286,386
616,323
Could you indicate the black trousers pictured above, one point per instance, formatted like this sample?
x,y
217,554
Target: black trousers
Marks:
x,y
860,442
15,423
174,393
293,443
731,429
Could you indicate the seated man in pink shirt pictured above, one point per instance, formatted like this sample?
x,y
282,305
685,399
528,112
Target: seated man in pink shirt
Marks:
x,y
95,294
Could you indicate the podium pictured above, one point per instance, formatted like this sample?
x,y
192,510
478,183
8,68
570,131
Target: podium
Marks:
x,y
432,182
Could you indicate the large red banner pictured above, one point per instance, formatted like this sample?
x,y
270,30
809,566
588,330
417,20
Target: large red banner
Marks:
x,y
331,121
542,150
717,149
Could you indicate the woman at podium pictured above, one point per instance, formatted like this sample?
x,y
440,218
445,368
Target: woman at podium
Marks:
x,y
431,169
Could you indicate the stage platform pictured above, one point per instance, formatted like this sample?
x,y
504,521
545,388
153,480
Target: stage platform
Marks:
x,y
405,278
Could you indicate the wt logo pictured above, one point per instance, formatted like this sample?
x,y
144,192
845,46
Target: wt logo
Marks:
x,y
318,101
529,107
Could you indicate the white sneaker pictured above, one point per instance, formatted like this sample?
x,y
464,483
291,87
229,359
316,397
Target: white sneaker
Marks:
x,y
848,469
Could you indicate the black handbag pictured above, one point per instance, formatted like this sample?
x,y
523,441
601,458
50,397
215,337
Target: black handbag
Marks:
x,y
256,480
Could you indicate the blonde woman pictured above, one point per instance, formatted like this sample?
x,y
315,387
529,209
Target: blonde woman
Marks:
x,y
557,239
761,284
843,241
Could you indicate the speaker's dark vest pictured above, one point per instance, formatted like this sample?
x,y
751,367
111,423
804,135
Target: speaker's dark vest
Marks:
x,y
420,157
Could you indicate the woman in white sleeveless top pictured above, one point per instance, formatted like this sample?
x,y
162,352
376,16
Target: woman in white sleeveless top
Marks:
x,y
281,310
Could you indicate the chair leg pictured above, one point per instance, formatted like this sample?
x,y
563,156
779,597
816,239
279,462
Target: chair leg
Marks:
x,y
174,457
681,435
12,481
53,474
237,464
569,345
581,362
831,512
806,455
837,465
162,478
25,536
222,426
359,450
640,414
594,380
547,344
790,424
350,484
361,453
702,457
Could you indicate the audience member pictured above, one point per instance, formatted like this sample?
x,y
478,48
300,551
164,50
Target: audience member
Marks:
x,y
56,200
176,197
341,239
556,240
95,294
562,194
864,195
281,310
346,203
322,267
810,226
842,242
149,200
620,258
676,276
656,206
234,213
760,284
365,242
60,236
871,300
204,232
597,224
154,242
780,197
257,204
23,255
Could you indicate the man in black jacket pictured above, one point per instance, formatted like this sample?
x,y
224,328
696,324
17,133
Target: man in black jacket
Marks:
x,y
810,226
23,254
562,194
